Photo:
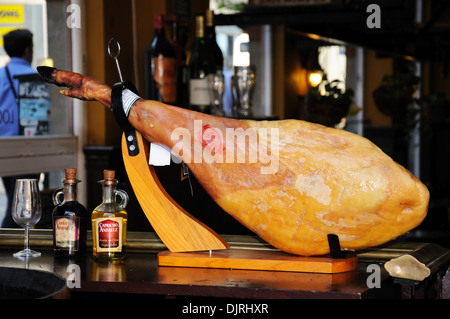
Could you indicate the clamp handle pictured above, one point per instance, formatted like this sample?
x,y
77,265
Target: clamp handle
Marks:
x,y
121,118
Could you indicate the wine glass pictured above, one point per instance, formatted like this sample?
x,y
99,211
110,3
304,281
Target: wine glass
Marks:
x,y
243,85
26,211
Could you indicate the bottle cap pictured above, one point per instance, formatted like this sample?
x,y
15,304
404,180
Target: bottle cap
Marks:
x,y
199,31
109,177
70,175
209,18
159,21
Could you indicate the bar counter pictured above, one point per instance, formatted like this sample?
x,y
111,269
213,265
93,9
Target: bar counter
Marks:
x,y
139,275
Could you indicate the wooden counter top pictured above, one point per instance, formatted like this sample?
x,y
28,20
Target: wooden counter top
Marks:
x,y
140,274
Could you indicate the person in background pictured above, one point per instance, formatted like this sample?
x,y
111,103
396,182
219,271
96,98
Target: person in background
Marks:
x,y
18,44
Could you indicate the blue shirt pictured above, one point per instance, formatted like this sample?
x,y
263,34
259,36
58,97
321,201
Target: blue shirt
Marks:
x,y
9,110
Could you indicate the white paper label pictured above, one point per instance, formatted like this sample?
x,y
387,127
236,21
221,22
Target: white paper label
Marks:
x,y
159,155
198,92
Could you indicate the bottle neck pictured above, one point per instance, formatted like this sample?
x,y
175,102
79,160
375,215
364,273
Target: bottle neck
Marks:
x,y
108,193
209,19
70,192
210,33
159,26
199,28
159,33
158,22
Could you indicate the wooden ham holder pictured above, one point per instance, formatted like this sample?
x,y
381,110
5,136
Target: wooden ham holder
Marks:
x,y
190,242
179,230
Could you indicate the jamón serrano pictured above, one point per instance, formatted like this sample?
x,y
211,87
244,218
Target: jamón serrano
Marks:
x,y
291,182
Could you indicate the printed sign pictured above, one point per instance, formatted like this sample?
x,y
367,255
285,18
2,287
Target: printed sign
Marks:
x,y
12,14
34,104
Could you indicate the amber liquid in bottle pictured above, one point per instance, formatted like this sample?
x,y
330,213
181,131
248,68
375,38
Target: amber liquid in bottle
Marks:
x,y
109,221
69,218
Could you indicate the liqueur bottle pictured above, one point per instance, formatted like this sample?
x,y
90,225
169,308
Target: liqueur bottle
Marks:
x,y
210,35
109,221
160,66
201,64
69,218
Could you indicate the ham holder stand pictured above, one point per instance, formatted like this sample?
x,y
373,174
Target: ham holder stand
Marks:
x,y
191,243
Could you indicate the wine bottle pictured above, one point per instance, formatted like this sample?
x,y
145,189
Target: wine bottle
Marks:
x,y
201,63
69,218
109,221
180,53
210,35
160,66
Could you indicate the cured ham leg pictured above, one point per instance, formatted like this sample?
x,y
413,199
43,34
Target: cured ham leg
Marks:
x,y
291,182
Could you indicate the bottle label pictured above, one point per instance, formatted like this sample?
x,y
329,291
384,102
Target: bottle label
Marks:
x,y
165,76
198,92
109,234
66,232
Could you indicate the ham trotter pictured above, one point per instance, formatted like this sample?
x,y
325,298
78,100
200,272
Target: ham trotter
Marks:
x,y
291,182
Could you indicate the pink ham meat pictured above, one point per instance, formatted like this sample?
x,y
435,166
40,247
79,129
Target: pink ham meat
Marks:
x,y
291,182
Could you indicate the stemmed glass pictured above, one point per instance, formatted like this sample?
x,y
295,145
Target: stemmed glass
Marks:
x,y
243,85
26,211
216,84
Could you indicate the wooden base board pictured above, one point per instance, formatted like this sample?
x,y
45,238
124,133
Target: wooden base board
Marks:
x,y
258,260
